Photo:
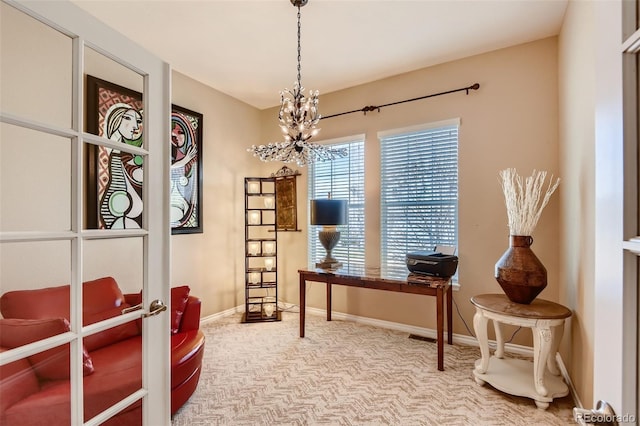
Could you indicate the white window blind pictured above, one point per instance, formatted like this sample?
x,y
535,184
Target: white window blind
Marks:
x,y
419,194
344,179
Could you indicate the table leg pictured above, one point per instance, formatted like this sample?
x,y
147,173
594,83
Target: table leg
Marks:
x,y
449,316
440,327
480,327
542,337
556,336
499,353
328,300
302,303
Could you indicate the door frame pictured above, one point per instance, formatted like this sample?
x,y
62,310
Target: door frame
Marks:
x,y
615,374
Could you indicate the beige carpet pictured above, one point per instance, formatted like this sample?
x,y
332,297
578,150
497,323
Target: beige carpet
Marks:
x,y
345,373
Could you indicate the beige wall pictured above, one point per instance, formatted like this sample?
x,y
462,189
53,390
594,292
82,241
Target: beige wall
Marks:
x,y
511,121
577,125
212,263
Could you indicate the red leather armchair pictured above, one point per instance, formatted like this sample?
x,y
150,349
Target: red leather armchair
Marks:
x,y
36,389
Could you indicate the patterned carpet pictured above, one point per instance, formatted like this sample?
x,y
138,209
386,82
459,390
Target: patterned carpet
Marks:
x,y
345,373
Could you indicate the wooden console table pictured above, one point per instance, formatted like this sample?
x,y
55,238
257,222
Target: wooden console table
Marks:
x,y
438,287
546,319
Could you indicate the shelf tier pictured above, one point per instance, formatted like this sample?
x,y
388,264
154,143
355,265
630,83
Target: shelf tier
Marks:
x,y
261,269
255,309
264,284
515,377
258,317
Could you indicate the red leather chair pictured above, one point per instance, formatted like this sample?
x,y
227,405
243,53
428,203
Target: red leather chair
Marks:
x,y
37,388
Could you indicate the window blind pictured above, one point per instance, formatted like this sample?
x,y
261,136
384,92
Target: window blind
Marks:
x,y
344,179
419,194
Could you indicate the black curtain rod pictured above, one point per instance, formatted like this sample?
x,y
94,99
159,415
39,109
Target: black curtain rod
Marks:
x,y
377,108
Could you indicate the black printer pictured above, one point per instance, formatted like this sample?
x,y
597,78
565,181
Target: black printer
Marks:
x,y
432,263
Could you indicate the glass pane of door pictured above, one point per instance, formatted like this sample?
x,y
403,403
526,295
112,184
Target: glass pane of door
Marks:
x,y
34,304
28,49
35,180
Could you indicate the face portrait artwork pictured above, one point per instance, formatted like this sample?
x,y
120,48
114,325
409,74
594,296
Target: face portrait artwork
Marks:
x,y
124,123
120,196
184,170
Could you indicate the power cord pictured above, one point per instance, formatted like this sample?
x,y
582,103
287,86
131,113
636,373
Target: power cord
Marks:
x,y
283,306
461,317
471,332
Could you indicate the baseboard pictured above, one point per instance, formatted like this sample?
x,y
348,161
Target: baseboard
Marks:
x,y
577,403
219,315
418,331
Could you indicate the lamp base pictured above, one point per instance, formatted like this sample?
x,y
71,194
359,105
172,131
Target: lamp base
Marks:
x,y
331,266
329,237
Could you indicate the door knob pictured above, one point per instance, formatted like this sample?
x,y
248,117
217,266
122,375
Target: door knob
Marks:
x,y
132,308
155,308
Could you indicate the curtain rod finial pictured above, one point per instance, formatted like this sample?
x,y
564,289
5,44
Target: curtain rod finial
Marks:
x,y
474,87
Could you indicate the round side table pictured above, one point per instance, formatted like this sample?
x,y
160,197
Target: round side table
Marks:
x,y
541,380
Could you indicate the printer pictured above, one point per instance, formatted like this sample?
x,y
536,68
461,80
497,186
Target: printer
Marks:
x,y
434,263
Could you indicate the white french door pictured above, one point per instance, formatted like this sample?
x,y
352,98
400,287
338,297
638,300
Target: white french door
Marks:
x,y
49,198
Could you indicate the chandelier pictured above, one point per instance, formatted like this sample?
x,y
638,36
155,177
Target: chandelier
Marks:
x,y
298,118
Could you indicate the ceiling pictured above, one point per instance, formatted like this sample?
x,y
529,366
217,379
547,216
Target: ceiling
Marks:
x,y
248,49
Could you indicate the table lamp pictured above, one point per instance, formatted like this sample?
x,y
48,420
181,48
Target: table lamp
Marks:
x,y
329,213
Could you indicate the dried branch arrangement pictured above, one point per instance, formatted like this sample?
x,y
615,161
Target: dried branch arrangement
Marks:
x,y
523,199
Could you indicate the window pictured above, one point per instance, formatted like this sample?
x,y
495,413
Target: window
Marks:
x,y
418,192
344,179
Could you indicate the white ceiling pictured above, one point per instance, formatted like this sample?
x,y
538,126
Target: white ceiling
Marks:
x,y
247,49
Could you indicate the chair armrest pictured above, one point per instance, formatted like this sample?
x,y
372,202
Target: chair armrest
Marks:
x,y
191,316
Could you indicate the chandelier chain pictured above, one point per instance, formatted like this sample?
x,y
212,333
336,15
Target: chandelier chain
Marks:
x,y
299,51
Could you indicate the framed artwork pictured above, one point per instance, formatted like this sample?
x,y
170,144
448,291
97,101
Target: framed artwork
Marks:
x,y
114,178
186,171
286,199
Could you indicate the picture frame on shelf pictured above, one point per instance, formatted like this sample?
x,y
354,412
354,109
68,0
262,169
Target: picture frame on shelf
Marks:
x,y
286,199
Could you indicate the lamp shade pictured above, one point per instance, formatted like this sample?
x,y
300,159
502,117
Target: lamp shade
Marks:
x,y
328,212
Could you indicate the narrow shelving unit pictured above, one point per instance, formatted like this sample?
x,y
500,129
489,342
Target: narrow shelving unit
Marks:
x,y
261,250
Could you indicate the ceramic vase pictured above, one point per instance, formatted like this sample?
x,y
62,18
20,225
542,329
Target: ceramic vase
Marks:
x,y
519,272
